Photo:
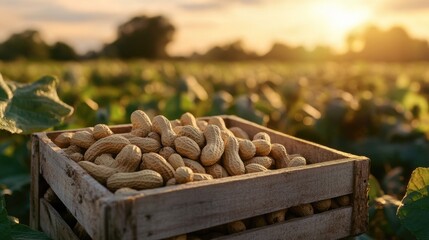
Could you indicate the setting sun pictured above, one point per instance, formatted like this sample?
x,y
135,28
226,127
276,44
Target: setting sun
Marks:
x,y
341,17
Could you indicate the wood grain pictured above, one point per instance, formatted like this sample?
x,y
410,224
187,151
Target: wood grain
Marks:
x,y
35,187
73,186
333,224
360,197
185,208
53,224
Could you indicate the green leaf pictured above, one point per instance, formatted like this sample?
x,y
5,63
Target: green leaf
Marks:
x,y
31,107
414,211
10,230
5,229
5,92
23,232
16,182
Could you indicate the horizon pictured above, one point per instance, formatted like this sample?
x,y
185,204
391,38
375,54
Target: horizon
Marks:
x,y
259,24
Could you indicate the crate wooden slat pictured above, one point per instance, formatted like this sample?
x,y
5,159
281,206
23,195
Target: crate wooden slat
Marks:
x,y
332,224
173,210
73,186
53,224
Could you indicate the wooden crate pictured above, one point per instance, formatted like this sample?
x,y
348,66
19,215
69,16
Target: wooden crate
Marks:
x,y
169,211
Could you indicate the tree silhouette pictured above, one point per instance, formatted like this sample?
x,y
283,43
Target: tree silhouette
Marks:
x,y
393,44
229,52
61,51
142,37
27,44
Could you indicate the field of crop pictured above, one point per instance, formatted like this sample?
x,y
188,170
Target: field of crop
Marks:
x,y
377,110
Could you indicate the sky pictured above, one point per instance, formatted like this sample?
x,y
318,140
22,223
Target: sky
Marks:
x,y
201,24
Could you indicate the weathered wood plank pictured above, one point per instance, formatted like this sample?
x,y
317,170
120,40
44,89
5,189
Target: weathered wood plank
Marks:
x,y
314,153
360,197
73,185
52,223
185,208
333,224
35,187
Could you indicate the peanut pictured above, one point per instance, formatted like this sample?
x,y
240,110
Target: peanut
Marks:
x,y
202,125
128,159
162,126
294,155
188,119
175,123
111,144
176,161
170,182
99,172
239,133
63,140
177,129
155,162
297,161
263,136
258,221
218,121
82,139
146,144
275,217
279,154
217,171
231,159
76,157
322,205
139,132
235,227
201,177
254,167
343,200
127,135
194,165
141,124
265,161
246,149
187,147
263,147
125,191
51,197
225,133
194,134
302,210
105,159
101,131
155,136
72,149
214,148
144,179
184,175
166,152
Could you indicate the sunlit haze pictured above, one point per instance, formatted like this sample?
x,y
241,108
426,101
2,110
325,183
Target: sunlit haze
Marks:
x,y
201,24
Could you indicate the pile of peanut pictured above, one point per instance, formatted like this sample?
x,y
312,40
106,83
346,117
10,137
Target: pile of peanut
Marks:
x,y
160,152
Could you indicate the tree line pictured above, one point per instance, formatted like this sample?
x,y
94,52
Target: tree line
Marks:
x,y
147,37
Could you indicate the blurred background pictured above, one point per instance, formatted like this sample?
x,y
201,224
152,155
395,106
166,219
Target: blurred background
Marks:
x,y
352,75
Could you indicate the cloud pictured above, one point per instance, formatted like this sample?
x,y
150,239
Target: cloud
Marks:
x,y
62,14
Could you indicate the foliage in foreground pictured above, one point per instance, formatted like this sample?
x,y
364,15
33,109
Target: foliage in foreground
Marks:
x,y
10,229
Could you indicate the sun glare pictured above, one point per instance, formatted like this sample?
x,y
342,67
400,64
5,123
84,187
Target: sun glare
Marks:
x,y
341,18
